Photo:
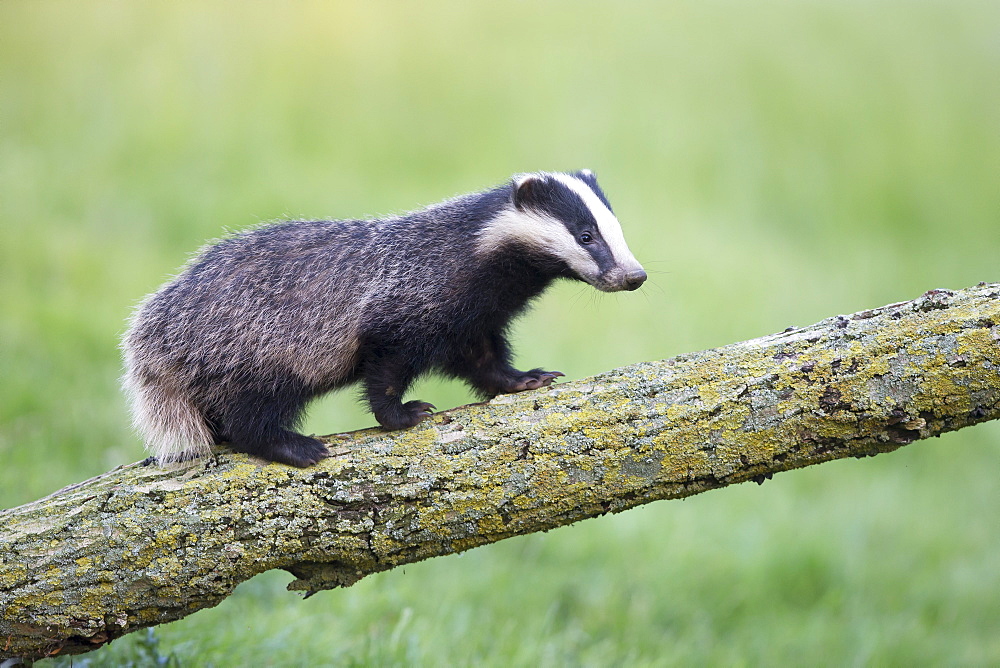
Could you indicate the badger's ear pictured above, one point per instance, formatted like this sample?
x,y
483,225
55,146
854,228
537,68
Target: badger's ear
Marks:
x,y
527,190
587,176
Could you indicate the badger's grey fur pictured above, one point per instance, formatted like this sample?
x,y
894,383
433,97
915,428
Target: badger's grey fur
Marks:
x,y
234,347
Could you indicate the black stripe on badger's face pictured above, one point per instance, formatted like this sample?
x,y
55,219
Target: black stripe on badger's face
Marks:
x,y
569,217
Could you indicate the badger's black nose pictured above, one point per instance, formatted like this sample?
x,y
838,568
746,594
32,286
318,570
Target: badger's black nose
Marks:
x,y
634,279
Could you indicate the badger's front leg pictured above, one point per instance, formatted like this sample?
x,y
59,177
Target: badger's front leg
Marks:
x,y
485,364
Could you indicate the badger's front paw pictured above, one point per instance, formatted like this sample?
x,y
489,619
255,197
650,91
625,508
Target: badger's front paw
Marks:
x,y
532,380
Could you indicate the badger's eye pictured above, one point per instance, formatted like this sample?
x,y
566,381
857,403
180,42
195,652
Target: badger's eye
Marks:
x,y
586,238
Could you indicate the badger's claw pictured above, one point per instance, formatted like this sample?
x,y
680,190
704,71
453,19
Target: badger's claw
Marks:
x,y
534,379
421,409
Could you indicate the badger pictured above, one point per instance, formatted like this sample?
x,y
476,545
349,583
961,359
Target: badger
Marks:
x,y
235,346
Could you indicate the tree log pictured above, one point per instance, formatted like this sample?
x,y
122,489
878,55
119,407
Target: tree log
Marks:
x,y
143,545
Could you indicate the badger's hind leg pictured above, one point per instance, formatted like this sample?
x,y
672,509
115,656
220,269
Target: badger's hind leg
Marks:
x,y
280,445
261,425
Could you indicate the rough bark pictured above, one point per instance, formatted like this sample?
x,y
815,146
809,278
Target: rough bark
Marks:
x,y
143,545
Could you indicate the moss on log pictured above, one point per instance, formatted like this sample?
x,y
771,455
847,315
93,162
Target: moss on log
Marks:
x,y
143,545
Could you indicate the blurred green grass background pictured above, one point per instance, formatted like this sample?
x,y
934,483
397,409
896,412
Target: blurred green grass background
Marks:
x,y
773,163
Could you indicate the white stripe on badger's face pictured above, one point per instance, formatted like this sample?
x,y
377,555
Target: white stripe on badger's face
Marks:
x,y
607,223
535,228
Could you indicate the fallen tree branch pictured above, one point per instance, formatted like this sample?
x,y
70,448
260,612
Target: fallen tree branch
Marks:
x,y
143,545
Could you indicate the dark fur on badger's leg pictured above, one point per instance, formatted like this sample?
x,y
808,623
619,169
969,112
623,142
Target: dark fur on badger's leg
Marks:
x,y
278,444
390,369
261,424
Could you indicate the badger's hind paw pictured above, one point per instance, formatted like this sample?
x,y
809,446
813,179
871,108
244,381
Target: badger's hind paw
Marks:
x,y
297,450
532,380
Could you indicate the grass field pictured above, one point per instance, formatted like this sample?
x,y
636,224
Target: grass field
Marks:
x,y
772,163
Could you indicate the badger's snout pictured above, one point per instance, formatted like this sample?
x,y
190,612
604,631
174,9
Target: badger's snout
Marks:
x,y
619,279
634,279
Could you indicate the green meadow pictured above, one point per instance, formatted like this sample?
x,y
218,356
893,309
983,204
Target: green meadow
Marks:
x,y
772,163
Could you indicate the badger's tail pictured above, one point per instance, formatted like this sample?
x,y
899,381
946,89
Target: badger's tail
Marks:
x,y
174,430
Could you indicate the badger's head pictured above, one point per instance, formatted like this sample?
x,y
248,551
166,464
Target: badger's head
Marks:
x,y
567,218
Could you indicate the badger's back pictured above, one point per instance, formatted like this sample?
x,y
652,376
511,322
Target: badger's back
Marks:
x,y
246,302
286,304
